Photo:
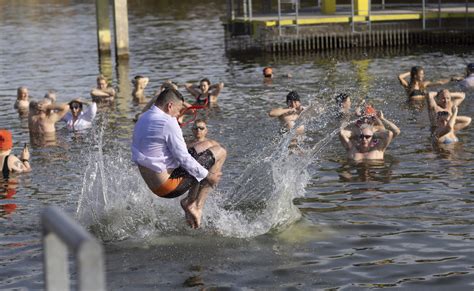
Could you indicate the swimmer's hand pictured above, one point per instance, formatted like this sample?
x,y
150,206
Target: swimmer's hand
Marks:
x,y
213,178
25,153
380,114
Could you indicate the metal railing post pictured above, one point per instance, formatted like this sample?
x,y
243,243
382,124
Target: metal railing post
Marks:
x,y
61,233
279,18
439,13
352,16
424,13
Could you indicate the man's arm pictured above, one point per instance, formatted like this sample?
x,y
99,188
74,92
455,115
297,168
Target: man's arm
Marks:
x,y
57,111
215,90
391,126
277,112
345,137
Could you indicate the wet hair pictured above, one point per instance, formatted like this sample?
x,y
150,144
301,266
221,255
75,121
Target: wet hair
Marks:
x,y
168,95
341,97
205,80
292,96
413,73
470,68
201,120
101,77
441,92
75,102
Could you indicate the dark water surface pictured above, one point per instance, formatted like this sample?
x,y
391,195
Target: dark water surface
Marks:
x,y
276,221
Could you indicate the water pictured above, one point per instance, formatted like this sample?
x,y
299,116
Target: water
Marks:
x,y
277,220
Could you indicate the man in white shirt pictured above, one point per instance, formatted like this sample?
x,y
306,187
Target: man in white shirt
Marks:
x,y
169,170
78,118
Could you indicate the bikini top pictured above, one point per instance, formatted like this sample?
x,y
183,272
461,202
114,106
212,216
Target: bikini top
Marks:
x,y
5,169
204,101
417,92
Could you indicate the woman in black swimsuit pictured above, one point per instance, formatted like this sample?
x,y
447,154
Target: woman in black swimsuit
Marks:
x,y
9,162
205,93
416,88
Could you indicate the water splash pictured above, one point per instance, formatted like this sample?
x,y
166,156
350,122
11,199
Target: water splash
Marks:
x,y
116,204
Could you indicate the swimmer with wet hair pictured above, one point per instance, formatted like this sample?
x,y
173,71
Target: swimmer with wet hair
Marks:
x,y
288,115
205,93
366,143
444,100
43,116
22,99
139,85
102,93
166,166
267,72
416,87
77,118
9,162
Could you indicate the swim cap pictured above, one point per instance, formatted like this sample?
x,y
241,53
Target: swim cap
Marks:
x,y
267,72
369,110
6,141
292,96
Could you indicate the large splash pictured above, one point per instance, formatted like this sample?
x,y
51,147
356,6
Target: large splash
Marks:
x,y
116,204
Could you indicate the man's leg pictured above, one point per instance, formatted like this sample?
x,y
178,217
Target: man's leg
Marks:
x,y
194,203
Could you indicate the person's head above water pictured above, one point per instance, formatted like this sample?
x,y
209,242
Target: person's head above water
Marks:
x,y
442,117
76,107
171,101
417,73
342,98
293,99
50,96
22,93
204,85
268,72
140,82
443,97
6,140
200,129
101,82
470,69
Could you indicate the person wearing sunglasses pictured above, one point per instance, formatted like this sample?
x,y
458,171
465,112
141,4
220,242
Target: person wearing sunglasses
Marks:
x,y
367,143
162,157
78,118
444,100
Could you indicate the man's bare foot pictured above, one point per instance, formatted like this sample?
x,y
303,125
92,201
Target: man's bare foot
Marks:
x,y
196,214
187,214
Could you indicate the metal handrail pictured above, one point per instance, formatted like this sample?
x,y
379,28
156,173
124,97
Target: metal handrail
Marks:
x,y
61,233
294,2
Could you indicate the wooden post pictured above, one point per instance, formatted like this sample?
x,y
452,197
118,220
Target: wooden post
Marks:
x,y
328,6
103,25
121,28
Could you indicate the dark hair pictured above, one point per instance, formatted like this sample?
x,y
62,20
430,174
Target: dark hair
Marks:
x,y
341,97
75,102
292,96
205,80
470,68
202,120
168,95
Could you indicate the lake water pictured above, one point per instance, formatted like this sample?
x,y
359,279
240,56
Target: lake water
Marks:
x,y
277,220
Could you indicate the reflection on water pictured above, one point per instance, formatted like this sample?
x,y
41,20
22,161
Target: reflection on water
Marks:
x,y
277,220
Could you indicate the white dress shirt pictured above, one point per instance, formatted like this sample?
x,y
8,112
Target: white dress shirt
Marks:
x,y
83,121
158,144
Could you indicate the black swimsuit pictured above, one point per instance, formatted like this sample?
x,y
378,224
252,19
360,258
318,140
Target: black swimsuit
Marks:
x,y
5,169
417,92
204,101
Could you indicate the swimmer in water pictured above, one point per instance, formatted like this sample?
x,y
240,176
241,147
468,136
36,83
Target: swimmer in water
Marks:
x,y
444,100
102,93
79,119
368,144
205,93
139,85
444,131
288,115
166,166
22,102
416,88
467,81
9,162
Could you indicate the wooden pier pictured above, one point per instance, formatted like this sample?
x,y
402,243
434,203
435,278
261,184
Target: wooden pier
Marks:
x,y
331,26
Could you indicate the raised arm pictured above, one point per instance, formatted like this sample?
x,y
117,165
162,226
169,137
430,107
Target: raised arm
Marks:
x,y
58,110
22,164
439,82
345,138
390,125
277,112
401,79
192,89
457,97
215,90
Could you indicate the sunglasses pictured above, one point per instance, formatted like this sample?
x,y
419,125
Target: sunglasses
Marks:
x,y
362,136
199,128
75,106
